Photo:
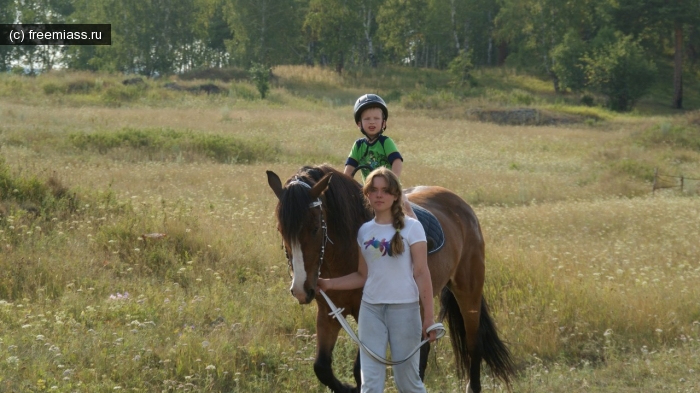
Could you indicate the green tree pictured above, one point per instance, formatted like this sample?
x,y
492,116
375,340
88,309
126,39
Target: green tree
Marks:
x,y
265,31
368,12
460,68
41,57
569,64
621,71
444,32
260,75
534,28
401,29
149,37
217,34
650,19
336,25
7,53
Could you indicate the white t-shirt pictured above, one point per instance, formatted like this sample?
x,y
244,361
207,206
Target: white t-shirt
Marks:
x,y
389,278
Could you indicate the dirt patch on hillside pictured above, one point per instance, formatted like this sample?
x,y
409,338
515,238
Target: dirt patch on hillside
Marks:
x,y
526,116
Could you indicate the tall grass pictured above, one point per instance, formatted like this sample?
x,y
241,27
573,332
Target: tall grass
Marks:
x,y
124,267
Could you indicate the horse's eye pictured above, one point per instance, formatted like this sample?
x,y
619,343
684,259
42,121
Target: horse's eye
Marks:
x,y
314,231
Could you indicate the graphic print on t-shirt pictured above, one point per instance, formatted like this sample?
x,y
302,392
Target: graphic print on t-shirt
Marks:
x,y
382,246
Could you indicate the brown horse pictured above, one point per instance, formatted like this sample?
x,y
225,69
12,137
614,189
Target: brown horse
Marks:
x,y
319,213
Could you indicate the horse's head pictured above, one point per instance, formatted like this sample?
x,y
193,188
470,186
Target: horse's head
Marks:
x,y
300,220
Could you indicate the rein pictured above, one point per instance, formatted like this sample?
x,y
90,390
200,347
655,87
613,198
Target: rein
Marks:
x,y
337,314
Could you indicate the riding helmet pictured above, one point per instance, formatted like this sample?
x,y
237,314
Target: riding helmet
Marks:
x,y
369,101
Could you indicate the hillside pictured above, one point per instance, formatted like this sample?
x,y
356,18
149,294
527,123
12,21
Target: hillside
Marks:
x,y
140,250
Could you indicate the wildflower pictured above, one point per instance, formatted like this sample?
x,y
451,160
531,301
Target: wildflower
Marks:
x,y
119,296
211,367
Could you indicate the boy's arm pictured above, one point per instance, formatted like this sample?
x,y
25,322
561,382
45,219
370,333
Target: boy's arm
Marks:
x,y
352,162
348,169
393,155
396,167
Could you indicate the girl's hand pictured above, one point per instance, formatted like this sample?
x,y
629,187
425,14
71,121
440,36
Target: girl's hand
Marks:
x,y
433,335
324,284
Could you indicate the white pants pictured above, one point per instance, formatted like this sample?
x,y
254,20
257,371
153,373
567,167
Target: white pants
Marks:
x,y
399,326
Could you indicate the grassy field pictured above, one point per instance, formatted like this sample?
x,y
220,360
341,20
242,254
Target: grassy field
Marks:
x,y
592,279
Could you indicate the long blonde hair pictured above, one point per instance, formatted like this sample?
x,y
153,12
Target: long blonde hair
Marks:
x,y
394,188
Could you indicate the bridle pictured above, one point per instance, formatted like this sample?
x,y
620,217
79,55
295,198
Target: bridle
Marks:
x,y
324,228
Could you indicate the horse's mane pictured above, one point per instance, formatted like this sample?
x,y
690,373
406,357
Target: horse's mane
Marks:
x,y
343,203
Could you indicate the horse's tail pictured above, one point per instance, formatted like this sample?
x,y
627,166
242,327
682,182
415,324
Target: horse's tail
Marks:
x,y
493,351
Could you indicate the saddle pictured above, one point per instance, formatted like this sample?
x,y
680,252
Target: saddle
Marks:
x,y
433,230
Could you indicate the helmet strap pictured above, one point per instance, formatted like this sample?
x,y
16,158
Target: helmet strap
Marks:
x,y
362,129
375,137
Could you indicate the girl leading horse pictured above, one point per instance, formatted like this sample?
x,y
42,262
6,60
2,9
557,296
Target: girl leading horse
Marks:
x,y
319,213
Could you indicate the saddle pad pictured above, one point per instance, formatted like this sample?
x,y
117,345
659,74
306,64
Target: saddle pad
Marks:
x,y
433,230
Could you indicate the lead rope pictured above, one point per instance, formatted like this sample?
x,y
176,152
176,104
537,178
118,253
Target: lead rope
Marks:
x,y
337,314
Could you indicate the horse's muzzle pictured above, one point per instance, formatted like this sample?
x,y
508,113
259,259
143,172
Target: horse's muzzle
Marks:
x,y
309,295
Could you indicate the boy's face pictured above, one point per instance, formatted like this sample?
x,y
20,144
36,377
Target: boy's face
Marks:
x,y
372,121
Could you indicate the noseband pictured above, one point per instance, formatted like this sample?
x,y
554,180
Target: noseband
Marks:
x,y
324,227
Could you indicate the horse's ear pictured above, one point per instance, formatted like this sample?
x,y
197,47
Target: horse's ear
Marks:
x,y
320,187
275,183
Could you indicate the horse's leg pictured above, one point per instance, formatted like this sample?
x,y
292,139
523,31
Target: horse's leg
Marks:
x,y
474,353
467,286
424,352
470,311
326,337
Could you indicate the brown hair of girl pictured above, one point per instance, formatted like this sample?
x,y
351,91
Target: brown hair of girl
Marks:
x,y
394,188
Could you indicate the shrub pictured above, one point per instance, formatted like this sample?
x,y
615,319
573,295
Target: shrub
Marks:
x,y
32,194
421,100
243,91
587,100
260,75
621,71
52,88
169,143
671,135
634,168
19,188
460,68
117,94
568,62
222,74
80,86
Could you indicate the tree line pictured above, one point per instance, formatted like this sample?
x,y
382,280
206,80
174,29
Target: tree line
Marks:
x,y
610,46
